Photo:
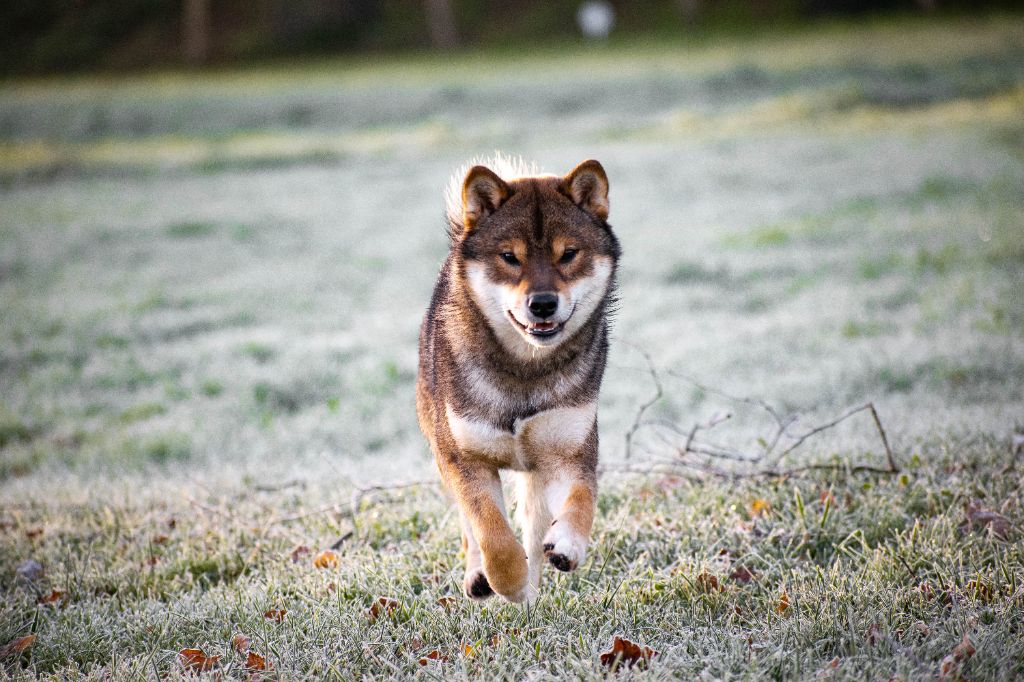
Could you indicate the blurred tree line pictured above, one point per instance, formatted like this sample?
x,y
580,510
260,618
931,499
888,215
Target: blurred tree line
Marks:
x,y
44,36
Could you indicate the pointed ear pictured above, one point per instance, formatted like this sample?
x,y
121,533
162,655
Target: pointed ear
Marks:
x,y
482,193
587,186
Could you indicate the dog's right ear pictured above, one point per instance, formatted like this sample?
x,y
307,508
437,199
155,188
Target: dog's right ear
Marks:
x,y
482,193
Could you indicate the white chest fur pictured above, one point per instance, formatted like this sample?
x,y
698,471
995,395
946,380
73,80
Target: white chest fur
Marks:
x,y
559,431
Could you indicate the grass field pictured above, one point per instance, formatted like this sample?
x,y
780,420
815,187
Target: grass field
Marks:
x,y
211,286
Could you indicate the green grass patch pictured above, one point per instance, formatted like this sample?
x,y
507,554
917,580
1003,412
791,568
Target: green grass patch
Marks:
x,y
191,229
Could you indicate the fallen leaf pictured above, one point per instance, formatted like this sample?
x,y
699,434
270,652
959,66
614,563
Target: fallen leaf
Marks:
x,y
52,598
326,559
276,615
383,605
925,588
922,628
950,665
980,589
16,646
783,604
447,603
160,539
624,651
708,582
434,655
759,507
826,670
469,651
978,516
827,497
300,553
965,649
874,635
947,666
240,643
254,662
743,575
196,660
33,533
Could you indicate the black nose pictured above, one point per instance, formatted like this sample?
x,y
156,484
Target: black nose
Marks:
x,y
542,305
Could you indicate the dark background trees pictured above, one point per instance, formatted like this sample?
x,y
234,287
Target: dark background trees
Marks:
x,y
46,36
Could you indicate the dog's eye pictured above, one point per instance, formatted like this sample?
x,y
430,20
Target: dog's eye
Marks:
x,y
567,256
510,258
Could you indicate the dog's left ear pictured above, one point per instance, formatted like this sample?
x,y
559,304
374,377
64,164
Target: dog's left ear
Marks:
x,y
587,186
482,193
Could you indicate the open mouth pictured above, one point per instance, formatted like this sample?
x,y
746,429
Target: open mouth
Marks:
x,y
541,329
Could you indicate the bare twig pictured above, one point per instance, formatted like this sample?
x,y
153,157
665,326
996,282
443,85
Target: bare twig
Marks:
x,y
763,462
659,391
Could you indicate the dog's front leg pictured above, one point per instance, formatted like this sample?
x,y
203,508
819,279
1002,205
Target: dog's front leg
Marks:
x,y
571,500
490,542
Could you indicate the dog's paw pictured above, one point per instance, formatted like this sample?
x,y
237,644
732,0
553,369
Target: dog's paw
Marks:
x,y
564,548
476,586
506,571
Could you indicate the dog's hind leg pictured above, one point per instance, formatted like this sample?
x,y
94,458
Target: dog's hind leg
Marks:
x,y
534,518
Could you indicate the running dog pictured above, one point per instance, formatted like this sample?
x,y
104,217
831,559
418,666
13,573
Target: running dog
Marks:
x,y
511,356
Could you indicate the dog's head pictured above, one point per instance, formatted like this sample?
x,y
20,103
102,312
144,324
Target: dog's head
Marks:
x,y
537,252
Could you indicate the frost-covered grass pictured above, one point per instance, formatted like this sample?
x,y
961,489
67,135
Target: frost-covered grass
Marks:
x,y
211,286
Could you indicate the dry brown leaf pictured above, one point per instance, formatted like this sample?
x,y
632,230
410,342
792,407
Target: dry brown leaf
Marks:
x,y
383,605
299,554
760,507
16,646
240,643
196,660
827,497
159,539
949,667
874,635
922,628
434,655
326,559
33,533
254,663
623,651
981,590
276,615
979,517
469,651
783,606
743,575
447,603
708,582
964,650
54,597
925,588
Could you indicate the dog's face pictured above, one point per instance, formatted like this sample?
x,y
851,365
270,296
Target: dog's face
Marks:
x,y
539,256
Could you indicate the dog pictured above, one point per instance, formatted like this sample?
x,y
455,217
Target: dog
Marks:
x,y
511,355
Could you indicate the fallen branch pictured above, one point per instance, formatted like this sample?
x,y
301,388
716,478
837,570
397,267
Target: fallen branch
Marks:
x,y
694,452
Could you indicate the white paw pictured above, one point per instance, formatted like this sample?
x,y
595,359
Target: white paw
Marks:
x,y
563,547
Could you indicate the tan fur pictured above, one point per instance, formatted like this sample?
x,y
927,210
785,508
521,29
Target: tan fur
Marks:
x,y
512,351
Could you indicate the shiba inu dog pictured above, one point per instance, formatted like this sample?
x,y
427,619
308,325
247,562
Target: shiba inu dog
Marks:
x,y
512,351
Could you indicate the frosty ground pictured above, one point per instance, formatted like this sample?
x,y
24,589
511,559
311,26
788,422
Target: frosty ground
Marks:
x,y
211,287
